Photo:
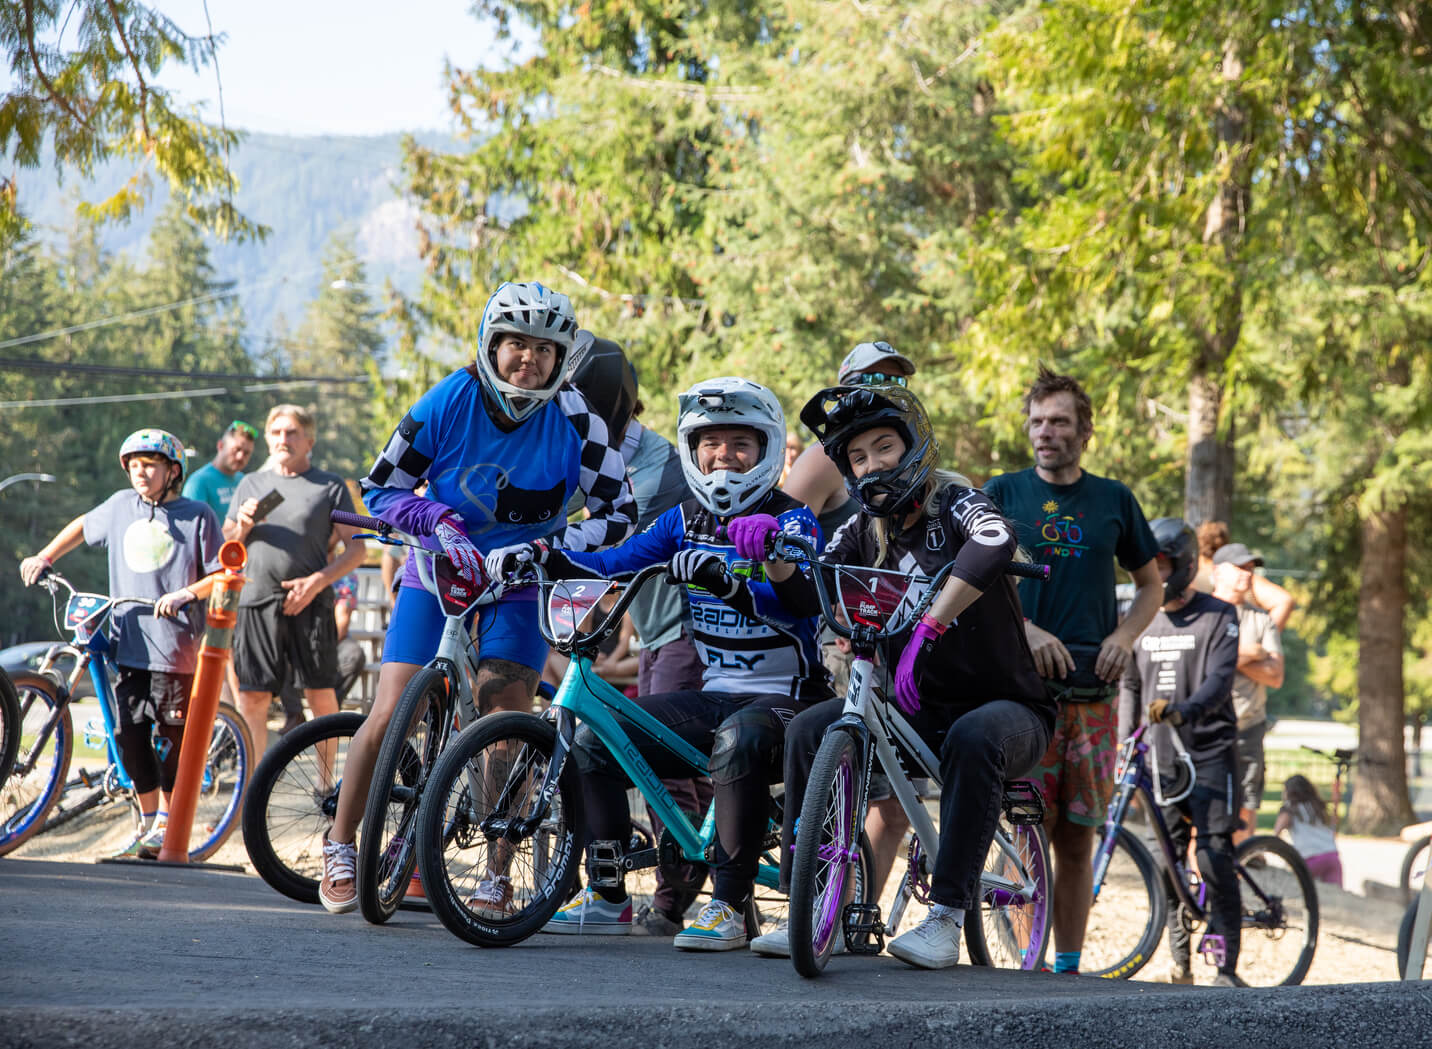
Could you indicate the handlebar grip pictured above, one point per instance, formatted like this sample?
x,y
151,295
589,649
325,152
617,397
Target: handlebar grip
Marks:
x,y
1029,570
371,524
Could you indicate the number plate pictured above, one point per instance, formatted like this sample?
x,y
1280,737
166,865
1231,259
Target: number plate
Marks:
x,y
570,601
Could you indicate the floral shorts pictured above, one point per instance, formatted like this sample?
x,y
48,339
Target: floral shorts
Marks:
x,y
1076,774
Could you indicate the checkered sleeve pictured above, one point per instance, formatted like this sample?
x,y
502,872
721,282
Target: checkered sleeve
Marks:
x,y
603,478
401,467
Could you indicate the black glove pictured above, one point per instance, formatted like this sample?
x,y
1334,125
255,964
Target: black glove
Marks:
x,y
1161,710
704,569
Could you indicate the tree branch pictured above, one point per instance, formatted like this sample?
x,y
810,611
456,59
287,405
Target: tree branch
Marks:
x,y
138,73
50,89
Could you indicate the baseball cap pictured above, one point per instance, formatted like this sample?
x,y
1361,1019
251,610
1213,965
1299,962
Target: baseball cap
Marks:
x,y
870,354
1235,554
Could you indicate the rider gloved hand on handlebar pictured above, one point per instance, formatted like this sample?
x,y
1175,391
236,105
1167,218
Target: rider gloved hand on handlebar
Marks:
x,y
704,569
506,561
459,550
750,534
922,642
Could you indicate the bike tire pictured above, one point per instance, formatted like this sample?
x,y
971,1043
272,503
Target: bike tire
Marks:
x,y
1278,941
1010,931
291,801
1133,886
9,725
1414,867
26,797
387,852
458,827
228,767
820,872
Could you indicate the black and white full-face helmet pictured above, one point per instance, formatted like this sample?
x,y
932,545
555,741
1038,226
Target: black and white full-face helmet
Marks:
x,y
1179,543
533,310
729,401
838,414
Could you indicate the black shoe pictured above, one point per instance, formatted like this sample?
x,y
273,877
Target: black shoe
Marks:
x,y
1228,980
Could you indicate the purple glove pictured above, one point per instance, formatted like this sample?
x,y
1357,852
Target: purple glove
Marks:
x,y
912,663
749,535
459,551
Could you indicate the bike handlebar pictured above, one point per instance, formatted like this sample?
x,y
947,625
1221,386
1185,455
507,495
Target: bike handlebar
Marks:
x,y
779,545
372,524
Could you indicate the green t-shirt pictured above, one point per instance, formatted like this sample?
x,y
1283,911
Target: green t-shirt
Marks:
x,y
209,484
1079,530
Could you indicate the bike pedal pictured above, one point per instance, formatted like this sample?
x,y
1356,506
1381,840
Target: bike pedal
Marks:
x,y
1023,803
861,922
604,865
1213,948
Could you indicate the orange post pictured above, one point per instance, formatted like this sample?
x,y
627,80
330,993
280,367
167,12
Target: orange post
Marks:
x,y
204,700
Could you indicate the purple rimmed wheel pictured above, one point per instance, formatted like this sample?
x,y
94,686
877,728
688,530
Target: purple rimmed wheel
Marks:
x,y
828,869
1011,930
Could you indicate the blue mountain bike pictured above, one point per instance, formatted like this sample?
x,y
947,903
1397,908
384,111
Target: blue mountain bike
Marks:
x,y
39,793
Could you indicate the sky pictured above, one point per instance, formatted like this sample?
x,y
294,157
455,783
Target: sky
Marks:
x,y
303,67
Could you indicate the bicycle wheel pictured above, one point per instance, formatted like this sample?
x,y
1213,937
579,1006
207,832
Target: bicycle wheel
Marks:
x,y
1127,919
1011,930
497,859
42,761
9,725
1280,913
227,767
386,846
823,878
1414,867
291,801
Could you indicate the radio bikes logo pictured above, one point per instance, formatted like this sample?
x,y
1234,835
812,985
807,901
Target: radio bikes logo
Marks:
x,y
1060,535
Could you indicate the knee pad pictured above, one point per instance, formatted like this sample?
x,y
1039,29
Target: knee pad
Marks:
x,y
1212,850
745,743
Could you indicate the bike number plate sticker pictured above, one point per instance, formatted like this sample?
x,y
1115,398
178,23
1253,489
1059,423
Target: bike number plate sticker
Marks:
x,y
81,609
569,602
878,598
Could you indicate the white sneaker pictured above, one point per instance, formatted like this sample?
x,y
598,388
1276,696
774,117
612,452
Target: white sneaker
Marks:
x,y
777,943
338,891
493,897
719,927
933,944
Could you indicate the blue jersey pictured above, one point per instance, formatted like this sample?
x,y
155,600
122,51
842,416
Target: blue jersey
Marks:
x,y
504,485
740,654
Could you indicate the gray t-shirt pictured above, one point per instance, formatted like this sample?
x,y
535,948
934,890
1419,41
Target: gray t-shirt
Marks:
x,y
292,541
1250,699
154,550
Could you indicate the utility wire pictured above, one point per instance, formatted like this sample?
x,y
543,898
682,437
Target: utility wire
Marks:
x,y
26,364
166,395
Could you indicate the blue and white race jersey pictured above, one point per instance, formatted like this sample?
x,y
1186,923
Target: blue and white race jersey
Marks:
x,y
740,654
505,486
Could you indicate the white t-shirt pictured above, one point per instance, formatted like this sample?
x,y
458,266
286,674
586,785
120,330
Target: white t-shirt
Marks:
x,y
1311,837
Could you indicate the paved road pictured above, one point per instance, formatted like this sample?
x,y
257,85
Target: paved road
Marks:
x,y
120,955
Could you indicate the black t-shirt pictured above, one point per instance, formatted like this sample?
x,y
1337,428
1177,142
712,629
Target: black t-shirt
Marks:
x,y
1079,530
984,656
1187,657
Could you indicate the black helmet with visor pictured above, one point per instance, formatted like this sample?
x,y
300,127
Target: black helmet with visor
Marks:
x,y
838,414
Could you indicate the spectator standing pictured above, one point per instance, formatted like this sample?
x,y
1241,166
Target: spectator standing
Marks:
x,y
286,620
1081,524
217,480
1260,667
1266,594
160,545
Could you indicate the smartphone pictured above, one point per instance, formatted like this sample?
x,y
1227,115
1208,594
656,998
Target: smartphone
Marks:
x,y
266,505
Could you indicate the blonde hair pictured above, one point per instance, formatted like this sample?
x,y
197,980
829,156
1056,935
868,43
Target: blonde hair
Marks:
x,y
302,416
883,530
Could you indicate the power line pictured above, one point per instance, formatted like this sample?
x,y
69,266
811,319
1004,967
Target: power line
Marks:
x,y
30,365
165,395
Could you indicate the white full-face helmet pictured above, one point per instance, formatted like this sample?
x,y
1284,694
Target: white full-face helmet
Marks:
x,y
527,309
729,401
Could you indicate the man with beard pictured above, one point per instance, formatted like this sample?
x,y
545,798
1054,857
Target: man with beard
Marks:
x,y
1079,524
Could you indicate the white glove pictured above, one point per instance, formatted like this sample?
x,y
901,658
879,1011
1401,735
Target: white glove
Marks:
x,y
505,560
460,551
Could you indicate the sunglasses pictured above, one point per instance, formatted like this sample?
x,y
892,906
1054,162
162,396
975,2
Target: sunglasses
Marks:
x,y
874,379
247,429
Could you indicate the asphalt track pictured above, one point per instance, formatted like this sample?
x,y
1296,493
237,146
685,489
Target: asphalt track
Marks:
x,y
101,955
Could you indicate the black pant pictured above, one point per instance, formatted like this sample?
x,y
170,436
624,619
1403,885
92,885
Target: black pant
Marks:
x,y
980,746
744,736
1212,808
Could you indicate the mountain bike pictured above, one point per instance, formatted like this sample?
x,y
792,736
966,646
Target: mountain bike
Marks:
x,y
296,789
1012,924
504,798
1279,900
38,794
9,725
